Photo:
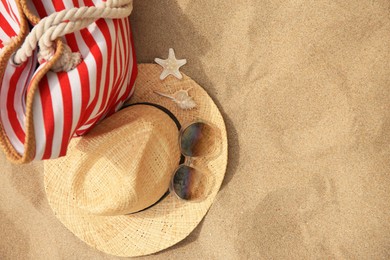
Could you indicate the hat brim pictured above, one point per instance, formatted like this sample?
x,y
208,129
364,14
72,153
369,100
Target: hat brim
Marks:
x,y
167,222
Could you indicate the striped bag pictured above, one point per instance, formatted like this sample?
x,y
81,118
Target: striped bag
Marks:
x,y
64,66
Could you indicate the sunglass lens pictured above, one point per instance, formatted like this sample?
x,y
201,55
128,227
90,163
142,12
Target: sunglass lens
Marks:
x,y
197,139
189,183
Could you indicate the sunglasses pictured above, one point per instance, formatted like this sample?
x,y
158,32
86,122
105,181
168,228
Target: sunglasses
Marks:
x,y
198,139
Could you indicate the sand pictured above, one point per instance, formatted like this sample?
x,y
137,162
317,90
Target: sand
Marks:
x,y
304,87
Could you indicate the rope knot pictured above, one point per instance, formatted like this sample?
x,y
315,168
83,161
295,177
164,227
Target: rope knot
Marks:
x,y
67,61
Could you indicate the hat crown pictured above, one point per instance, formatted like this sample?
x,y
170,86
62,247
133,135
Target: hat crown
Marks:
x,y
116,181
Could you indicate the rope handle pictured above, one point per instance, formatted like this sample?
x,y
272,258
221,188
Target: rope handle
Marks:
x,y
58,55
64,22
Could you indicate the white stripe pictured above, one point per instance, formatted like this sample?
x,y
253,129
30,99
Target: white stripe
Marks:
x,y
76,98
113,35
131,58
122,51
11,21
125,76
108,70
91,65
21,86
58,111
3,36
12,5
49,7
101,42
4,111
76,101
97,2
68,4
39,126
122,85
120,104
132,90
30,76
121,45
131,93
85,127
130,63
76,90
75,84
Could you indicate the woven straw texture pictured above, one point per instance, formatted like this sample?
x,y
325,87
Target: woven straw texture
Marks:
x,y
167,222
124,165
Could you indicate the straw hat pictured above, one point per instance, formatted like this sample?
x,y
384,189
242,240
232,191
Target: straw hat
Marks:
x,y
109,189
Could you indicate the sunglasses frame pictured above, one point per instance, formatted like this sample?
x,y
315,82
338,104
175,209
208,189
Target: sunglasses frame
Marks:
x,y
187,161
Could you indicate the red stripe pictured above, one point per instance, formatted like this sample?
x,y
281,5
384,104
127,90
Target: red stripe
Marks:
x,y
58,5
48,115
112,96
12,115
40,8
102,24
89,3
6,26
85,93
118,83
83,72
134,71
64,84
135,68
66,91
125,77
97,54
14,15
68,110
123,62
129,86
118,52
125,68
6,6
27,83
116,49
75,3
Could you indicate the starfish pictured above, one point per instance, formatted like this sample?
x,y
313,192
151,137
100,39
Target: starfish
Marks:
x,y
171,65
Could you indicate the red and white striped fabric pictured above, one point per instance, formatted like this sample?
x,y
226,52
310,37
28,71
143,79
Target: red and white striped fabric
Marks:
x,y
70,103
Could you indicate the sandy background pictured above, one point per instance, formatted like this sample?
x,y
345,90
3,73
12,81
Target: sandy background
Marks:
x,y
304,87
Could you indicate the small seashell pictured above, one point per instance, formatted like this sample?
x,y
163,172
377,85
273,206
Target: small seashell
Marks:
x,y
181,98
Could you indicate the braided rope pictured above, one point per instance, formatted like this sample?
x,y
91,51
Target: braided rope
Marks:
x,y
64,22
